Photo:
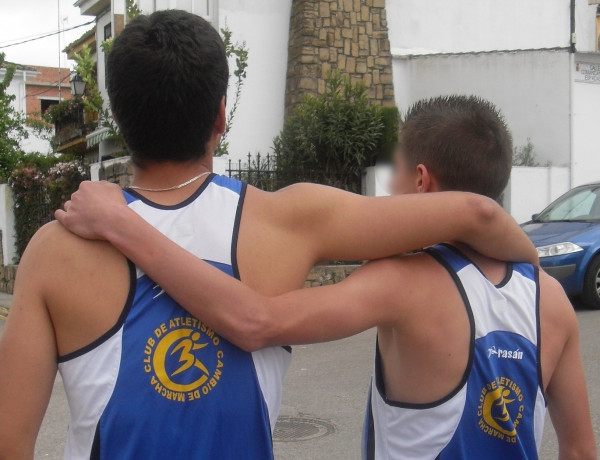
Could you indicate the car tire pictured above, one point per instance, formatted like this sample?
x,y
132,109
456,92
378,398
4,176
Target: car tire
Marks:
x,y
591,285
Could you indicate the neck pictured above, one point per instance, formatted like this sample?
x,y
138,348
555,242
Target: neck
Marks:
x,y
494,270
164,175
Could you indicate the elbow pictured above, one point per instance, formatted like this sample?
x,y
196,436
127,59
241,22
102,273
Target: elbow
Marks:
x,y
485,209
581,451
255,331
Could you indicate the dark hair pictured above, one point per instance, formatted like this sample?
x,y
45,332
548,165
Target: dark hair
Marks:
x,y
166,76
462,140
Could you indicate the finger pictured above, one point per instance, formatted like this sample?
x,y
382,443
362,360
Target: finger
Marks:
x,y
60,216
67,205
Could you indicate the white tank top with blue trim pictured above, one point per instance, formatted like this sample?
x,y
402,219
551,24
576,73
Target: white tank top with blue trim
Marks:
x,y
497,412
161,384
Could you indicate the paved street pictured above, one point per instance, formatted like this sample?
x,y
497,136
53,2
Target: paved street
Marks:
x,y
329,382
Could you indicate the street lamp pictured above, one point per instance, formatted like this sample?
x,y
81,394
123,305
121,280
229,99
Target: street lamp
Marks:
x,y
77,85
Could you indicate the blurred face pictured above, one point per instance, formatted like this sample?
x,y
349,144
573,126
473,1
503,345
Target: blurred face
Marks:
x,y
405,177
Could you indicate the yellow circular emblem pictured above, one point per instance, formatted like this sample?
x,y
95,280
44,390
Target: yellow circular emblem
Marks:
x,y
184,359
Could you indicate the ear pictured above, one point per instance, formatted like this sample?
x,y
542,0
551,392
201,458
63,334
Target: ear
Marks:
x,y
221,120
424,184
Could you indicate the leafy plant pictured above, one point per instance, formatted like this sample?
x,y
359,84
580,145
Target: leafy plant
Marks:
x,y
40,185
12,123
65,110
525,155
239,52
331,138
133,10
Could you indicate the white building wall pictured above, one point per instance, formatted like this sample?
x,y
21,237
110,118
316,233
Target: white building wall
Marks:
x,y
585,26
7,224
541,186
442,26
530,88
586,123
264,26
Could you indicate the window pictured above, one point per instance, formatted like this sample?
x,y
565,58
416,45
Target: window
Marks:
x,y
107,31
46,103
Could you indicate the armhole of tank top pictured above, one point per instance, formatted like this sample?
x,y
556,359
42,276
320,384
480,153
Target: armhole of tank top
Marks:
x,y
234,241
539,334
236,231
379,382
114,329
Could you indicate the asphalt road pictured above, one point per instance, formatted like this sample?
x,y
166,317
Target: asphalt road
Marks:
x,y
329,382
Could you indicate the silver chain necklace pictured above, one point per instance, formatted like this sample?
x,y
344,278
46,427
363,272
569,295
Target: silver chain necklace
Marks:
x,y
168,189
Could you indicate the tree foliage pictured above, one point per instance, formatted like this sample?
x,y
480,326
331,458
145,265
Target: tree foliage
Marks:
x,y
12,123
525,155
40,185
239,52
331,138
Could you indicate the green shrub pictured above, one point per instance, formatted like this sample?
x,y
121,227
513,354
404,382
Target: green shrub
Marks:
x,y
331,138
41,185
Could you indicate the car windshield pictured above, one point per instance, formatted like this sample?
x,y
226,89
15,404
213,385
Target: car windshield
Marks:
x,y
581,204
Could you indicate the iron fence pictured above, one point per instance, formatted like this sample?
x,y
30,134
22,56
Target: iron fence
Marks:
x,y
259,171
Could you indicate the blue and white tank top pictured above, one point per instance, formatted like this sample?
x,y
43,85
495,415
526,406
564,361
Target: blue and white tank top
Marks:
x,y
497,411
161,384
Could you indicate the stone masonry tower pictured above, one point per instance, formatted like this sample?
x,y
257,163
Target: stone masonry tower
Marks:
x,y
349,35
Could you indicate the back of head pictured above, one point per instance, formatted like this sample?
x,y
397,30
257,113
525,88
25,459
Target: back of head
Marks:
x,y
166,76
462,140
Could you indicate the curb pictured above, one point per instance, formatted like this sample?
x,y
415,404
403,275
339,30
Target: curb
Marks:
x,y
3,313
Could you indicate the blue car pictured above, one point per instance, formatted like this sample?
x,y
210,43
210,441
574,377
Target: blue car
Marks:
x,y
567,237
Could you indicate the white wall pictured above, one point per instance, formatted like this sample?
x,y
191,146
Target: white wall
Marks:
x,y
376,181
442,26
530,190
530,88
585,26
586,125
264,26
101,21
7,224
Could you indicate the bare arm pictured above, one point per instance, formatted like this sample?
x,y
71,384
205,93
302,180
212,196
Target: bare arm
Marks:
x,y
27,364
566,392
333,224
343,226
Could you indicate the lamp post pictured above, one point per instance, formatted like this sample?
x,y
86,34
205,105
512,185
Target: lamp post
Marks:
x,y
77,85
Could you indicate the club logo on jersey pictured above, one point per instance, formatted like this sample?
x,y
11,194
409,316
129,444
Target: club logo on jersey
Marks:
x,y
500,409
184,359
504,354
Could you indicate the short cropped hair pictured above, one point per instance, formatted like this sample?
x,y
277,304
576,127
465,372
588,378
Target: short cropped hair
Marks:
x,y
462,140
166,76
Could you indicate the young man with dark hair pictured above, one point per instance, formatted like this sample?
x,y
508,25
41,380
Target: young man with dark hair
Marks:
x,y
144,378
469,349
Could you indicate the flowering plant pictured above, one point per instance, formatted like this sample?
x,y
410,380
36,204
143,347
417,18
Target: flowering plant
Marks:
x,y
68,109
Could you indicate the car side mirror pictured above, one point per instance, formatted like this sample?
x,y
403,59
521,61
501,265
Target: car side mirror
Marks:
x,y
535,216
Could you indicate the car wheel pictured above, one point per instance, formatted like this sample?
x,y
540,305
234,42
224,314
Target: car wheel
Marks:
x,y
591,285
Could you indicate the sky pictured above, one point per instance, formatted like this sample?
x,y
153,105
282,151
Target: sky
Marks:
x,y
22,19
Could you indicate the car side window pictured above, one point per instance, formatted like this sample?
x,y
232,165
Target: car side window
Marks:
x,y
581,206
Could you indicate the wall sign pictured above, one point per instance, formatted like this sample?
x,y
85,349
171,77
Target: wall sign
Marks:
x,y
587,72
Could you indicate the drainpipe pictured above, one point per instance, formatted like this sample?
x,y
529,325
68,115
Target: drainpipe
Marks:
x,y
572,50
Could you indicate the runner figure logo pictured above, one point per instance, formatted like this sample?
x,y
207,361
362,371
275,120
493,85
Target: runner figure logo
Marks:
x,y
500,409
184,359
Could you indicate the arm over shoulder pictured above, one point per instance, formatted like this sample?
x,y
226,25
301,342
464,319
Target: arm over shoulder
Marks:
x,y
562,369
341,225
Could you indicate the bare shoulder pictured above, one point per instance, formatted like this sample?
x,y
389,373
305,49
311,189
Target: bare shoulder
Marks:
x,y
55,255
556,310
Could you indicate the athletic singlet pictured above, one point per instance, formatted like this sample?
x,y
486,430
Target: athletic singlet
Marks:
x,y
497,411
161,384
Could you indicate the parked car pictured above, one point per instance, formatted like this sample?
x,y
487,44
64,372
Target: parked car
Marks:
x,y
567,237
